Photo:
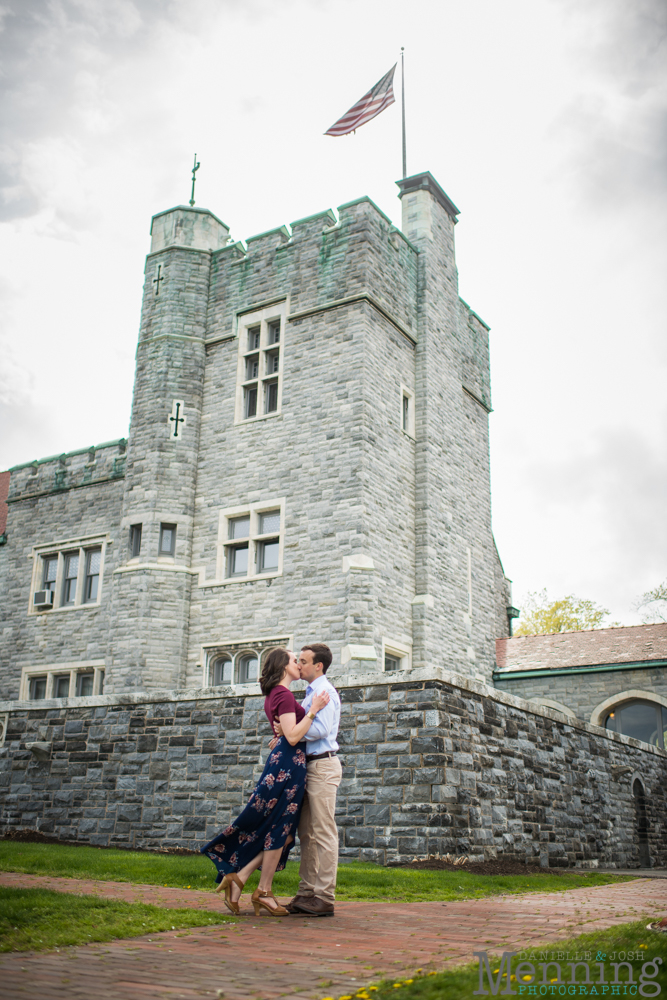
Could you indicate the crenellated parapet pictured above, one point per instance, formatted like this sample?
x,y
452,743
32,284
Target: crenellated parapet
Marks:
x,y
319,263
72,470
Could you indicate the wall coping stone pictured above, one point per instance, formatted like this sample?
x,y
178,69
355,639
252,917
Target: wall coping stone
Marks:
x,y
359,678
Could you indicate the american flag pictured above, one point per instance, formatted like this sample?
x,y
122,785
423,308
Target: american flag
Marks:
x,y
371,104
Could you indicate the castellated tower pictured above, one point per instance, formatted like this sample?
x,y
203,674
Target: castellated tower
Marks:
x,y
152,590
308,454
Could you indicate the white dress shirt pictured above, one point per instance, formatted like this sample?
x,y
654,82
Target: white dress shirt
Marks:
x,y
324,728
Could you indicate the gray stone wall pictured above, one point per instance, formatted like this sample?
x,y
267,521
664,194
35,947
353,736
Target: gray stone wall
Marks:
x,y
583,692
58,499
429,765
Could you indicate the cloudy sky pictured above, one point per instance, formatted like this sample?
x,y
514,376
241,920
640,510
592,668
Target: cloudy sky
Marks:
x,y
544,120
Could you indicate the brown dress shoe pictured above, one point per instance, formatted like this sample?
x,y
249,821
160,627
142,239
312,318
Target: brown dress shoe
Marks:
x,y
298,899
313,906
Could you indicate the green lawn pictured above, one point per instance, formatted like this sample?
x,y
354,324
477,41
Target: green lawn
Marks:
x,y
462,982
355,881
38,919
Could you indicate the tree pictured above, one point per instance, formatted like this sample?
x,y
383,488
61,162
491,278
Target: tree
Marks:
x,y
653,605
540,616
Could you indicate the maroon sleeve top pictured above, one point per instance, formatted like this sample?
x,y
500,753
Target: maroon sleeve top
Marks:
x,y
279,702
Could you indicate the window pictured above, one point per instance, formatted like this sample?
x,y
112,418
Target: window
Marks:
x,y
643,720
167,540
71,575
407,411
135,540
395,655
251,545
239,662
247,668
50,572
59,680
69,578
37,688
61,686
221,670
84,685
260,367
93,562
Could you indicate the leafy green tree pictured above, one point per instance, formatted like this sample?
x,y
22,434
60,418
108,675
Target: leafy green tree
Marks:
x,y
541,616
653,605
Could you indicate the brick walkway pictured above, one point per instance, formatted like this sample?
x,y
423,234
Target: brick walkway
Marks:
x,y
268,958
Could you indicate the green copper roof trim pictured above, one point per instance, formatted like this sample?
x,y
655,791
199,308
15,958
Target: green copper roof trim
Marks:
x,y
360,201
68,454
326,213
501,675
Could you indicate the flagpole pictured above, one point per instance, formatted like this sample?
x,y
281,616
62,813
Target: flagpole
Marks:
x,y
405,167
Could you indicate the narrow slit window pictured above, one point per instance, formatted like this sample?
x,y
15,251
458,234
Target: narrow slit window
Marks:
x,y
271,404
135,540
50,573
93,565
250,403
167,539
71,577
274,332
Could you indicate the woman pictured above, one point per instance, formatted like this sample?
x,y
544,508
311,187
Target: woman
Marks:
x,y
264,832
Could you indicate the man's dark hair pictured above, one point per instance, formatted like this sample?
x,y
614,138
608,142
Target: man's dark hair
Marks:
x,y
321,654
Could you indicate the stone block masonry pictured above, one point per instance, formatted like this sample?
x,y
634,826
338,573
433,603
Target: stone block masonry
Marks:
x,y
430,764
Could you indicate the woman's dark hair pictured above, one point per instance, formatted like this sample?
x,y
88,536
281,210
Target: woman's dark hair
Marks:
x,y
273,669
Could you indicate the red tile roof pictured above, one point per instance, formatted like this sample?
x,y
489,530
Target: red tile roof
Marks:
x,y
636,643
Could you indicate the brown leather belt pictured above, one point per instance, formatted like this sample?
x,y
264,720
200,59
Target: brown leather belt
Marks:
x,y
321,756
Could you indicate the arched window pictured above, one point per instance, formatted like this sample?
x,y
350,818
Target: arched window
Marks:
x,y
644,720
247,668
221,670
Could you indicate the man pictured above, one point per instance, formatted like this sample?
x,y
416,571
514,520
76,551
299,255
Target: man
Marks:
x,y
318,833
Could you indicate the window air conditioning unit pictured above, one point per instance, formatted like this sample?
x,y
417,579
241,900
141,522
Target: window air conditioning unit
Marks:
x,y
43,599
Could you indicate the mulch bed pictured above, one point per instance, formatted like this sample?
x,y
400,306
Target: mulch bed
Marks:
x,y
497,867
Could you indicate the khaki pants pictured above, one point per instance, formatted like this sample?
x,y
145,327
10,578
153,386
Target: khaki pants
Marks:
x,y
317,830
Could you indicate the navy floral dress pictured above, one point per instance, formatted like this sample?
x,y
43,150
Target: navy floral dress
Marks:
x,y
271,815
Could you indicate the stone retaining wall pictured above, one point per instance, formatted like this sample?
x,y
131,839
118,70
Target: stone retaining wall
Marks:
x,y
441,764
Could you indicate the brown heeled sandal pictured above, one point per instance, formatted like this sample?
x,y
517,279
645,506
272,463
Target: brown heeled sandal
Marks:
x,y
258,903
226,884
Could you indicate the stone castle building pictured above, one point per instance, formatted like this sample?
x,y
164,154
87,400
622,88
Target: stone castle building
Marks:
x,y
308,459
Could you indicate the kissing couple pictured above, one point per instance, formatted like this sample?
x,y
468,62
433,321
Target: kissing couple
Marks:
x,y
302,753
